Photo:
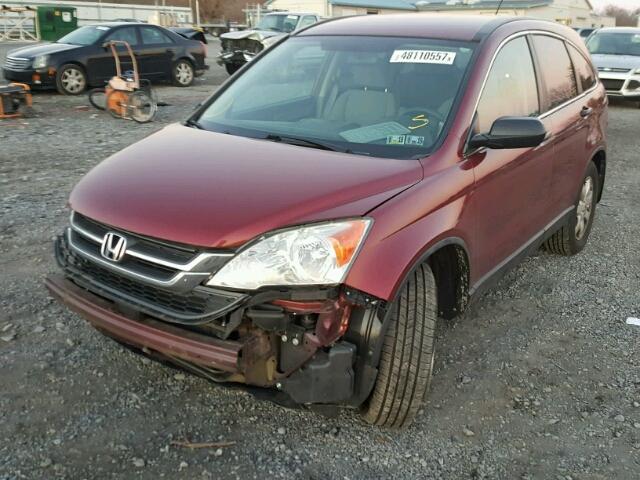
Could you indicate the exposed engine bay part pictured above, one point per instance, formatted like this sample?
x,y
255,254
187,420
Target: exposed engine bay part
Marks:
x,y
327,378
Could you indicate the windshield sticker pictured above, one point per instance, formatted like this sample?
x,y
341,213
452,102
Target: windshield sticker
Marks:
x,y
372,133
423,56
419,121
100,27
412,140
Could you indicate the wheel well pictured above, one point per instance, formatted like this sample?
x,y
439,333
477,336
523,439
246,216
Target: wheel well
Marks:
x,y
187,59
450,266
600,161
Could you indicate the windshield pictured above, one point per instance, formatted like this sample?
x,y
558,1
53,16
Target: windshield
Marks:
x,y
278,23
610,43
84,35
380,96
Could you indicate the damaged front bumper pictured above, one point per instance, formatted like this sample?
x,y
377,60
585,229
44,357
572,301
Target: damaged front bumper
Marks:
x,y
294,340
237,57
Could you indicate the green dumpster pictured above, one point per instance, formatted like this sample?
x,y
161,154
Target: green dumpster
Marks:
x,y
56,22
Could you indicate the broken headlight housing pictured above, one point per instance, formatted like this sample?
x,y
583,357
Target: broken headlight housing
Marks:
x,y
319,254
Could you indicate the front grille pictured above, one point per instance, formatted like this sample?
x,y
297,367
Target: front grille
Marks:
x,y
614,70
612,85
242,44
148,260
15,63
156,278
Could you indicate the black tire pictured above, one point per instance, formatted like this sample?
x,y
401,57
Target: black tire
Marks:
x,y
407,356
71,79
232,67
98,98
183,73
567,240
143,107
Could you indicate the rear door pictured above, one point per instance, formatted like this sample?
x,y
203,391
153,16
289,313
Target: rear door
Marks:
x,y
570,114
156,52
512,195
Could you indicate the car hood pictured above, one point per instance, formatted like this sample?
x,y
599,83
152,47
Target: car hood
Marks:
x,y
214,190
258,35
615,61
41,49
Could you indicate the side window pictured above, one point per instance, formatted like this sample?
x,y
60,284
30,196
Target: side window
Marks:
x,y
510,89
126,34
584,73
557,70
307,20
154,36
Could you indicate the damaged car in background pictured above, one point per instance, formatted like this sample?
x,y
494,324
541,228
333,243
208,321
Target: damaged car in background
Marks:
x,y
241,47
348,190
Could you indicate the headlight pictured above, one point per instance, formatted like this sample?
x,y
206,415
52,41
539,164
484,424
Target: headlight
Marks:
x,y
40,61
318,254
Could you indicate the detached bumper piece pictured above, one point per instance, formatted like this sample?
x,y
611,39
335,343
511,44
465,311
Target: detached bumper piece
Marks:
x,y
167,340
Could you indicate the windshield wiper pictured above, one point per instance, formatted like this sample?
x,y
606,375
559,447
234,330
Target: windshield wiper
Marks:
x,y
194,124
303,142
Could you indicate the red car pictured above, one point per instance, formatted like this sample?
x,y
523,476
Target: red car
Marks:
x,y
307,227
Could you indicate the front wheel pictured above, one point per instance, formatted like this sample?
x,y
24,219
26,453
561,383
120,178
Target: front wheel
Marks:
x,y
143,107
407,356
71,80
183,73
571,238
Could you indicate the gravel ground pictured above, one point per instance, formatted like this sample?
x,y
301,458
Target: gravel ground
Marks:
x,y
540,379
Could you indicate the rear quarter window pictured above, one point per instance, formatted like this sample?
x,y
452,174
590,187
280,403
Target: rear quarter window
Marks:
x,y
584,72
557,72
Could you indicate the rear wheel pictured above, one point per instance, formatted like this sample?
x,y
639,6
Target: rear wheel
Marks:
x,y
98,98
71,80
407,356
183,73
572,237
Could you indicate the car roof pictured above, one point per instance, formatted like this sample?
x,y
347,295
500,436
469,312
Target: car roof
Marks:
x,y
620,30
117,24
447,27
292,13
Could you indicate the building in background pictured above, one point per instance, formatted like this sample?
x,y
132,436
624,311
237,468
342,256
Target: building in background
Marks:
x,y
166,13
575,13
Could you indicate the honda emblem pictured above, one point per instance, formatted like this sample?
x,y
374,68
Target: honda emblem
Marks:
x,y
113,247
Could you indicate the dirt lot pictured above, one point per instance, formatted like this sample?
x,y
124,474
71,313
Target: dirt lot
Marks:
x,y
540,379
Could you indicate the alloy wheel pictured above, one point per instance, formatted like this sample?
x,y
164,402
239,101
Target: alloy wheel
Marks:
x,y
184,73
585,204
73,80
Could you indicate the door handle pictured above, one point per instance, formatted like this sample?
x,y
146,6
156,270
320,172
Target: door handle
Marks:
x,y
586,111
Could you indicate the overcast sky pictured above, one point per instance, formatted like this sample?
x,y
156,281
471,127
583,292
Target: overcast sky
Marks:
x,y
630,4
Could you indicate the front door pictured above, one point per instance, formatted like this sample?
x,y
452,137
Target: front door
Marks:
x,y
102,67
512,193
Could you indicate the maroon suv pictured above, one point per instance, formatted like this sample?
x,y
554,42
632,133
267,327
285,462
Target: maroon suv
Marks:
x,y
305,229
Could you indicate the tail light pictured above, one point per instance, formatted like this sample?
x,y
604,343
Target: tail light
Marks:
x,y
204,48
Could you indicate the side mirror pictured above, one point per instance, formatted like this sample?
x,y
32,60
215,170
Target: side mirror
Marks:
x,y
511,132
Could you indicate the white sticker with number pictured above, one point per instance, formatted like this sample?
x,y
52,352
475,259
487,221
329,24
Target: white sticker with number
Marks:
x,y
423,56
